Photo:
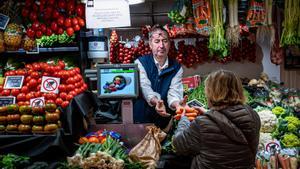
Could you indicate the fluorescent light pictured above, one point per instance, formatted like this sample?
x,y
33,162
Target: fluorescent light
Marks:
x,y
132,2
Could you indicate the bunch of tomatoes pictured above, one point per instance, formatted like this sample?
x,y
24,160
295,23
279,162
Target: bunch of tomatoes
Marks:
x,y
71,83
47,17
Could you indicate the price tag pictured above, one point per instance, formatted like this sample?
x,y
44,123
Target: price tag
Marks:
x,y
13,82
37,102
4,19
7,100
195,102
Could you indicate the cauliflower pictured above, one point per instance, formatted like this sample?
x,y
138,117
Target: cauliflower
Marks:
x,y
293,123
268,121
278,111
290,140
265,138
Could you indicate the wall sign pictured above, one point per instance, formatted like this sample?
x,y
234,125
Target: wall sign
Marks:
x,y
13,82
107,14
7,100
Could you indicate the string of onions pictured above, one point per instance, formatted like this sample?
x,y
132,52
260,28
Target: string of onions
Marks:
x,y
233,29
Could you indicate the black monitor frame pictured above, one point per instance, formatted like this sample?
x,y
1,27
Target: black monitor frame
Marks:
x,y
118,66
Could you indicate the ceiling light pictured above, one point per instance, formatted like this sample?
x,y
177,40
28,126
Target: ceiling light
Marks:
x,y
132,2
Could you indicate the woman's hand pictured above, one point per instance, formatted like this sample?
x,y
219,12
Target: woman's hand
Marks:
x,y
201,110
161,109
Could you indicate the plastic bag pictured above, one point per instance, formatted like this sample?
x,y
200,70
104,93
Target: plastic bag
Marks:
x,y
181,10
201,9
148,150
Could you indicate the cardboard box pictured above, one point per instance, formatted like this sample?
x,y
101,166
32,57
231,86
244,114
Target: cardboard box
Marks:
x,y
191,82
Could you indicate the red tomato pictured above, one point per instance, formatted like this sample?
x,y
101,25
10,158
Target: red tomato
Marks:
x,y
80,10
74,21
70,6
29,96
60,31
70,80
43,28
62,4
63,95
76,27
21,97
35,75
65,74
69,97
15,92
20,72
32,83
59,101
33,16
30,33
38,94
36,25
20,103
25,12
70,31
62,88
27,79
55,14
77,70
46,74
38,87
65,104
73,93
26,103
60,21
38,34
1,88
36,66
49,101
81,22
61,64
77,90
49,32
70,87
54,26
24,89
68,22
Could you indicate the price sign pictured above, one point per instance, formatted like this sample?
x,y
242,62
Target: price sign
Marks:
x,y
7,100
195,102
4,19
13,82
37,102
50,84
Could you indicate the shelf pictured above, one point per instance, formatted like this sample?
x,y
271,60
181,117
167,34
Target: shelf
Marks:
x,y
42,50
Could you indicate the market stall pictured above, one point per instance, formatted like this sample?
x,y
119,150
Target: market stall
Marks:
x,y
68,80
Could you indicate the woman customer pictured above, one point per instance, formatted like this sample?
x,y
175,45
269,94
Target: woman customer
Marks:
x,y
226,136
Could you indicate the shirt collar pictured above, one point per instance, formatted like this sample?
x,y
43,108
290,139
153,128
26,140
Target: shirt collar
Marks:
x,y
166,64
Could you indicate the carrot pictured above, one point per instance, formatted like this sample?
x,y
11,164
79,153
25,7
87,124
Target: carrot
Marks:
x,y
189,110
258,163
177,116
293,163
273,162
191,114
191,118
283,162
180,110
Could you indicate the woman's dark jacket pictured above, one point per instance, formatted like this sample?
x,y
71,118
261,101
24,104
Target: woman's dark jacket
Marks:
x,y
222,139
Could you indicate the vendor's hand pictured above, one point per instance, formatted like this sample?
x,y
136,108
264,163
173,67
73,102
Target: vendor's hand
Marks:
x,y
161,109
201,110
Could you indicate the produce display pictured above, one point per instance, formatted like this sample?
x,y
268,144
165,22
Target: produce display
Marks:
x,y
26,119
108,153
190,112
44,18
71,83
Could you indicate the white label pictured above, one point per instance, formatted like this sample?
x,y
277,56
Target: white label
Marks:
x,y
107,14
37,102
50,84
96,45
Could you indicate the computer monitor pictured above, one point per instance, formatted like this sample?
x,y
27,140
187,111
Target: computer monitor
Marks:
x,y
117,81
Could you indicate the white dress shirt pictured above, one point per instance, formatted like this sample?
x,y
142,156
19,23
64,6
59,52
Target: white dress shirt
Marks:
x,y
175,92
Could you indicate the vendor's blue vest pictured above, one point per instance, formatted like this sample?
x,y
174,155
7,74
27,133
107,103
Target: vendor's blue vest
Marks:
x,y
160,83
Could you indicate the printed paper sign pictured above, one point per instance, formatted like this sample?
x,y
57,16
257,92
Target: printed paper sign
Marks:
x,y
4,19
13,82
107,14
7,100
37,102
50,84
